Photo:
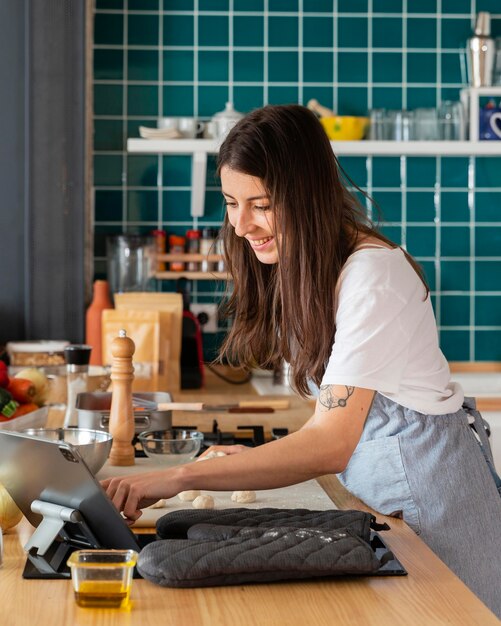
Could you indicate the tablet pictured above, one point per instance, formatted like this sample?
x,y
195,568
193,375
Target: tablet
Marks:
x,y
54,473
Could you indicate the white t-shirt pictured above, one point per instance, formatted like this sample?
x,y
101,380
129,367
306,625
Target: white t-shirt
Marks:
x,y
386,336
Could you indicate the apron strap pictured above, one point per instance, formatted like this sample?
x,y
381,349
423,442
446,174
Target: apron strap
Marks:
x,y
480,426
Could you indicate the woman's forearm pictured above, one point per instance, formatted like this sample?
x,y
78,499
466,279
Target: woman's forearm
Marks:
x,y
293,459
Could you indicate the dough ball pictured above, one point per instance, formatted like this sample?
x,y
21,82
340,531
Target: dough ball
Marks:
x,y
188,496
160,504
244,497
203,502
211,455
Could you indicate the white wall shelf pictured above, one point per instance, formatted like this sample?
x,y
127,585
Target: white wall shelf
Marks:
x,y
200,148
343,148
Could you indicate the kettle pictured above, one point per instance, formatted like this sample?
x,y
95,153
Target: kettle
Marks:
x,y
224,121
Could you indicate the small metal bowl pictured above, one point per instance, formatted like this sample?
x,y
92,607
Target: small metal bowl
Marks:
x,y
171,447
93,445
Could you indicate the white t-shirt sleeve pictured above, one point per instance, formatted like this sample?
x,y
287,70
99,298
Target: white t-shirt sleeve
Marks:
x,y
373,329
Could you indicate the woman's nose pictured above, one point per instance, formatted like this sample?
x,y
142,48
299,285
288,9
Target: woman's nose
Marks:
x,y
242,223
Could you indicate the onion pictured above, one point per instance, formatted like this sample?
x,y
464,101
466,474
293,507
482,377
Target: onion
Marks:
x,y
10,515
40,382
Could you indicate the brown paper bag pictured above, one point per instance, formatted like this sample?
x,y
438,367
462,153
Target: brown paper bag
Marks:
x,y
170,307
143,327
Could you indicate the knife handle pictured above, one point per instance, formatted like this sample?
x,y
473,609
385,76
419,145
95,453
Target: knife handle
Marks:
x,y
180,406
272,404
251,409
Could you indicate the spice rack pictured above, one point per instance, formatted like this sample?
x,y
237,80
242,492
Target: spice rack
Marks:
x,y
185,258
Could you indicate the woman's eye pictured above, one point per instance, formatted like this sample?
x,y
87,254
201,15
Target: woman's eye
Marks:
x,y
262,207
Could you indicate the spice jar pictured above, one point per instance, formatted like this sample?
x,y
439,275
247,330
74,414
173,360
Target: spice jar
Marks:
x,y
161,247
220,266
176,246
193,247
207,247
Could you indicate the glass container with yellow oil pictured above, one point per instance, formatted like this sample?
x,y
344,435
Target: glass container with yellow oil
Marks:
x,y
102,578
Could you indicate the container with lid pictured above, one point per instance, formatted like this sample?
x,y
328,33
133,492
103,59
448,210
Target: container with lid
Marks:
x,y
77,358
161,246
225,120
193,247
207,246
176,246
36,353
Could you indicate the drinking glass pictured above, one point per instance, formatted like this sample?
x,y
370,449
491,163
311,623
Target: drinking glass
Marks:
x,y
378,129
496,73
451,121
426,124
401,125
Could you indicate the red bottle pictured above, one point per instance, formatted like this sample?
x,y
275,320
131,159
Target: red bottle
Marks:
x,y
100,301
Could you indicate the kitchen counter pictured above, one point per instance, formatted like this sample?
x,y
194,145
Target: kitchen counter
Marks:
x,y
430,594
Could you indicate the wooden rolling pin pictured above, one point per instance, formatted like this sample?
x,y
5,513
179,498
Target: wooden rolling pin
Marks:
x,y
242,406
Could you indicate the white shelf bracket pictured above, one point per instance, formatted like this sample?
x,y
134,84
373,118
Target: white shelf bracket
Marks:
x,y
198,175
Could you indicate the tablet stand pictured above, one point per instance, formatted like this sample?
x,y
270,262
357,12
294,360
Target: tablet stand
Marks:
x,y
61,531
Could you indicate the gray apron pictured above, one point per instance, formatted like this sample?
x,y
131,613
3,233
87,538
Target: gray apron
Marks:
x,y
431,470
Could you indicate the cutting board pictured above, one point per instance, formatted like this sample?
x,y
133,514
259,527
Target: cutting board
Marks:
x,y
306,495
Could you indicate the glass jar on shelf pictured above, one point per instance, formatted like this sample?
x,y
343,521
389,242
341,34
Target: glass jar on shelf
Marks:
x,y
193,247
207,246
176,246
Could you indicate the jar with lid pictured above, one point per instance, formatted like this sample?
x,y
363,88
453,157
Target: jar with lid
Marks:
x,y
161,247
193,247
176,246
220,266
207,246
77,371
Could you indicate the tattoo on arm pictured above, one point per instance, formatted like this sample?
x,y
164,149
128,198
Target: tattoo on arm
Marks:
x,y
330,400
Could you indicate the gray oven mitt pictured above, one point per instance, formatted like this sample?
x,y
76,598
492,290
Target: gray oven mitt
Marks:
x,y
229,555
175,525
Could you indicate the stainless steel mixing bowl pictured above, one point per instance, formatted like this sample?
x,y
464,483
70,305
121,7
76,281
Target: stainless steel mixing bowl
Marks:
x,y
93,445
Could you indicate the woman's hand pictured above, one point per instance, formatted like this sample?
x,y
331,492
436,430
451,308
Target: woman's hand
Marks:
x,y
130,494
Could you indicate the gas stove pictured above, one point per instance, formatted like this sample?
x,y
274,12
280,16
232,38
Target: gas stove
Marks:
x,y
246,435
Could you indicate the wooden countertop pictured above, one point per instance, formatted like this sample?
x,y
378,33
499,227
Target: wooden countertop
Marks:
x,y
430,594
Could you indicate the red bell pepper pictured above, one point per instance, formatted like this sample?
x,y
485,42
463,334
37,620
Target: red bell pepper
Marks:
x,y
4,375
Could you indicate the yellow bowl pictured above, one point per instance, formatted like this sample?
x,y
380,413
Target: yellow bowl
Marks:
x,y
345,127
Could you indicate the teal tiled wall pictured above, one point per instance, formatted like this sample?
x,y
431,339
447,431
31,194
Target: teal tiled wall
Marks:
x,y
188,57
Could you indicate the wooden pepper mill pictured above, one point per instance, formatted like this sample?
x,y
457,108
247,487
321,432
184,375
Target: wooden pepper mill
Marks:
x,y
122,413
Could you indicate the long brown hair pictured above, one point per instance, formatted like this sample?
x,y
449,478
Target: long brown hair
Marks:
x,y
286,311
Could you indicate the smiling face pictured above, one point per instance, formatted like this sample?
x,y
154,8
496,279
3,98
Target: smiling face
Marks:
x,y
249,212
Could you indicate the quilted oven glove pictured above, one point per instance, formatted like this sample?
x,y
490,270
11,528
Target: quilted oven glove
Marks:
x,y
175,525
231,555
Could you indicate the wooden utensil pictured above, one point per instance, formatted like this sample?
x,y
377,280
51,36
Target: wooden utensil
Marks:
x,y
122,425
246,406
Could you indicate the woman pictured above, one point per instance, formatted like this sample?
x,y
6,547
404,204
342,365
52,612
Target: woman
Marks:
x,y
316,285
